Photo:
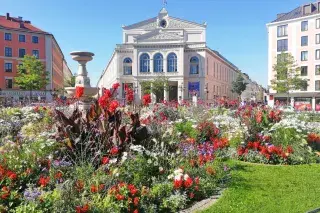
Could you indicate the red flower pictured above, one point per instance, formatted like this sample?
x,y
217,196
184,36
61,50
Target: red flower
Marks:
x,y
129,95
58,175
256,145
259,116
115,86
79,185
43,181
136,201
119,197
132,189
113,106
196,188
101,187
289,149
188,183
114,150
11,175
82,209
146,100
177,184
105,160
5,193
93,189
136,211
197,180
191,195
79,92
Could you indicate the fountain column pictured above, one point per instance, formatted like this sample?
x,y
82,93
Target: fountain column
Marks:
x,y
82,80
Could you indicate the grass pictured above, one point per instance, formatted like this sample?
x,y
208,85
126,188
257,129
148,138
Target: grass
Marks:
x,y
270,189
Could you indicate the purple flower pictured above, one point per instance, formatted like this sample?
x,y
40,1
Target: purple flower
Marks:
x,y
32,194
61,163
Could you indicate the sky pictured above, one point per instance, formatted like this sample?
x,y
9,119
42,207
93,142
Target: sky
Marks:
x,y
235,28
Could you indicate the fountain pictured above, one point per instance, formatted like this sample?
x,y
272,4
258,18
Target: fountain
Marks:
x,y
82,80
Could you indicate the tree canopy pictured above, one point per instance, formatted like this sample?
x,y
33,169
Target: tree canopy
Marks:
x,y
287,75
239,85
31,74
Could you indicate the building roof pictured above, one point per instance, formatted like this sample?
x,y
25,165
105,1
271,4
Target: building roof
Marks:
x,y
298,12
223,58
18,24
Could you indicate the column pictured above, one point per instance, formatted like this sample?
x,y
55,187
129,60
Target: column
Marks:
x,y
153,96
166,92
313,103
138,93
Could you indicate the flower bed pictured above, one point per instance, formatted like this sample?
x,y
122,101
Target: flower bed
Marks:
x,y
113,160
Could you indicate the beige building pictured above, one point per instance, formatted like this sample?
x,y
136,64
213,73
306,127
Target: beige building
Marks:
x,y
297,32
175,48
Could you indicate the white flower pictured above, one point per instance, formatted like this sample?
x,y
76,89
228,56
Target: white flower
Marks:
x,y
177,177
186,176
149,161
161,169
170,177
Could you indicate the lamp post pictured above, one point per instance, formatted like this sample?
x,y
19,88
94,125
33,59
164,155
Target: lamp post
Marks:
x,y
206,91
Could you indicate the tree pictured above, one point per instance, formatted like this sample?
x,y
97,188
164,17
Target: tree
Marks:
x,y
287,75
31,74
239,85
71,82
156,86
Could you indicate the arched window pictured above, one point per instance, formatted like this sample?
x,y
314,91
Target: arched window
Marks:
x,y
127,66
144,63
172,62
158,63
194,65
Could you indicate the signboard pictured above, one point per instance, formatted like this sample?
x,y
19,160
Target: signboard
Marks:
x,y
19,93
302,104
194,87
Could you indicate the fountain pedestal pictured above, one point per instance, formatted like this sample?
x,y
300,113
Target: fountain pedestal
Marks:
x,y
82,80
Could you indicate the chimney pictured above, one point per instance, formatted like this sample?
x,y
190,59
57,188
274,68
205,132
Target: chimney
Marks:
x,y
280,15
8,16
21,25
27,22
19,18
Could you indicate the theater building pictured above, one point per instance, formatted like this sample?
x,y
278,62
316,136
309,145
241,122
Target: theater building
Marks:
x,y
174,48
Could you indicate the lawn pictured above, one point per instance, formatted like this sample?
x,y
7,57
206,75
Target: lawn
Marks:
x,y
264,188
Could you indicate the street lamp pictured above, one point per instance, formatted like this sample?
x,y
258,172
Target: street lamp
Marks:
x,y
206,90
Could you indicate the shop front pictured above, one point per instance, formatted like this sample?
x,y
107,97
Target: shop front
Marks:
x,y
303,104
19,95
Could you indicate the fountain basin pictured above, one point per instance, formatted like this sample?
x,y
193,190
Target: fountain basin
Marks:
x,y
81,56
87,92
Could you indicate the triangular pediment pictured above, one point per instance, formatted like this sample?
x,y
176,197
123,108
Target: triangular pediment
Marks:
x,y
173,23
159,35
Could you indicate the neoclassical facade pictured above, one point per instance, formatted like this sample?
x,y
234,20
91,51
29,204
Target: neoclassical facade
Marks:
x,y
174,48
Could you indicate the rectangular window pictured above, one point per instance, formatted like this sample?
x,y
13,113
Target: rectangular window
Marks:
x,y
22,38
282,30
35,39
317,85
282,45
304,26
317,54
317,70
35,53
8,51
304,56
318,23
9,84
304,71
22,52
8,67
304,41
7,36
317,38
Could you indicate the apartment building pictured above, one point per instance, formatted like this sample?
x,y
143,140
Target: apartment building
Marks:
x,y
18,38
297,32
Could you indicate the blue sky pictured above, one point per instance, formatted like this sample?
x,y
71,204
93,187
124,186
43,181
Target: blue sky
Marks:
x,y
236,28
